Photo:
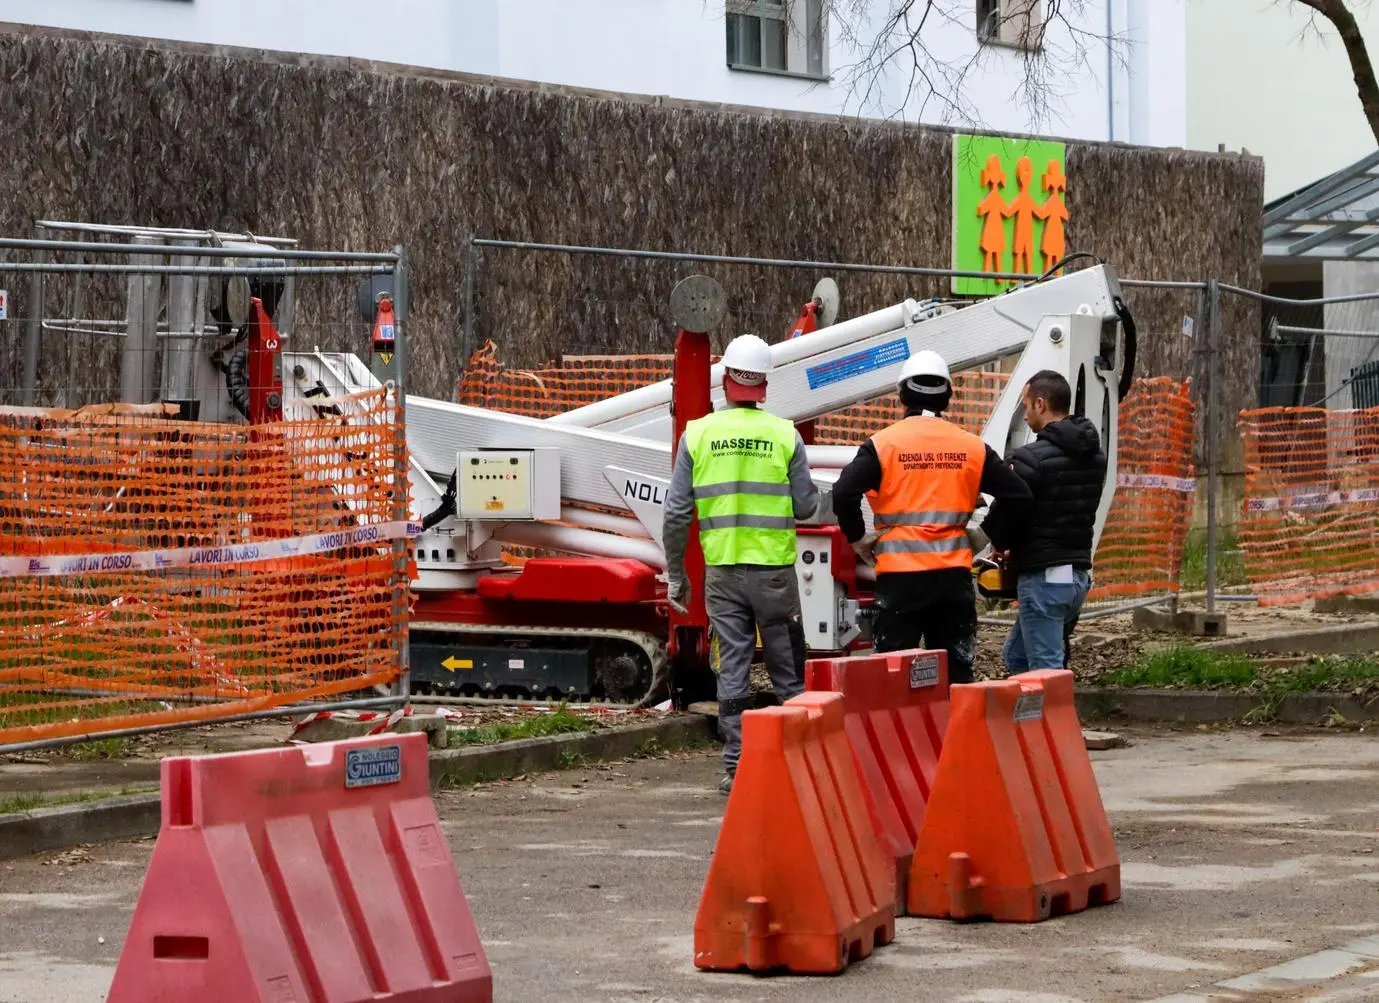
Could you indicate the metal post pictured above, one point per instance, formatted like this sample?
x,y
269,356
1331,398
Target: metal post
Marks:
x,y
137,361
1213,431
34,334
471,265
401,546
180,354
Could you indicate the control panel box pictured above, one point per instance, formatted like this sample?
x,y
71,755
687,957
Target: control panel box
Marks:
x,y
508,485
827,626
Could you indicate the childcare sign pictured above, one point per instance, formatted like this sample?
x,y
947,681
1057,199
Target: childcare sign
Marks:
x,y
1009,209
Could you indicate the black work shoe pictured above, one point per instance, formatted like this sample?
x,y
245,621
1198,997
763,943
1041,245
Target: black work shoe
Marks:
x,y
725,786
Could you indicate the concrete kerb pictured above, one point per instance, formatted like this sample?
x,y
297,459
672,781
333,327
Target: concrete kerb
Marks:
x,y
134,816
1222,707
1339,639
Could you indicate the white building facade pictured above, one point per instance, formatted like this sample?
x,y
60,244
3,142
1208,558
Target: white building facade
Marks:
x,y
1273,78
797,55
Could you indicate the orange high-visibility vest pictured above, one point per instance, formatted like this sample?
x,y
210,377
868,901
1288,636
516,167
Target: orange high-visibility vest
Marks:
x,y
930,472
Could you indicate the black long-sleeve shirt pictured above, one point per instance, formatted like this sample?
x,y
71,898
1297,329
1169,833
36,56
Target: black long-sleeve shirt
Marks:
x,y
863,474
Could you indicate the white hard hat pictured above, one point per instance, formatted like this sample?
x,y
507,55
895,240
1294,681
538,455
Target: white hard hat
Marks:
x,y
746,361
749,355
925,363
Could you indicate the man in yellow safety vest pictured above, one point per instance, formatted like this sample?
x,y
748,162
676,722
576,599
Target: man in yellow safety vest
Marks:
x,y
744,473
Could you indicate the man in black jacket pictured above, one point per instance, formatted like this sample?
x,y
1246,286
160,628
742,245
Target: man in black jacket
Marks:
x,y
1049,546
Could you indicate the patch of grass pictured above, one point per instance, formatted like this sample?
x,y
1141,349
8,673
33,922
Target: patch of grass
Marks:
x,y
21,802
1187,667
16,803
1183,667
1230,563
97,749
558,722
1326,673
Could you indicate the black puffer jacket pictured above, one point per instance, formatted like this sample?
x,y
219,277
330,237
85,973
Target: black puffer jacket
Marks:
x,y
1065,468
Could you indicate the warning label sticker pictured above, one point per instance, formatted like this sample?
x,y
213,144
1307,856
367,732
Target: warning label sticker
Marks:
x,y
1030,707
857,363
924,671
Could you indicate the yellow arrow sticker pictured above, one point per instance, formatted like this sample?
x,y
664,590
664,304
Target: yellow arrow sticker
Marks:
x,y
452,663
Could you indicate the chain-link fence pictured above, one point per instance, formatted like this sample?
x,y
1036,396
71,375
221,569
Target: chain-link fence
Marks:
x,y
185,533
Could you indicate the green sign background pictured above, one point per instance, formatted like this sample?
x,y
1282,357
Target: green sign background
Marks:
x,y
970,155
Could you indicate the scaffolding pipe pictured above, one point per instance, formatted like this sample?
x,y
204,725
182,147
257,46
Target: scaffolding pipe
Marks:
x,y
62,267
172,250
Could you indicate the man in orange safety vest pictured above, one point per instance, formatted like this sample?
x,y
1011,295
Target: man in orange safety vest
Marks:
x,y
923,477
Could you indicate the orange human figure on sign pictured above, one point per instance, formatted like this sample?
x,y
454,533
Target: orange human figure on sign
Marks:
x,y
993,207
1023,208
1054,214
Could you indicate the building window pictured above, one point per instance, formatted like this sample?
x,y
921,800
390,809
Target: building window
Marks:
x,y
1018,23
784,36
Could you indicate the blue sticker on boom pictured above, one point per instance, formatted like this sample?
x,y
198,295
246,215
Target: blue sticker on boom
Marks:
x,y
857,363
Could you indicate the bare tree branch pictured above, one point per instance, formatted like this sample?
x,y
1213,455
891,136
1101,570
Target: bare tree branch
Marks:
x,y
898,44
1366,86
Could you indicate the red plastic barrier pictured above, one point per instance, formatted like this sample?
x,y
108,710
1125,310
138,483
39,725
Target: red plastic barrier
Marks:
x,y
896,711
315,874
798,880
1016,830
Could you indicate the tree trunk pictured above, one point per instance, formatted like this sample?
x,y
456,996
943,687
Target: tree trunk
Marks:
x,y
1366,86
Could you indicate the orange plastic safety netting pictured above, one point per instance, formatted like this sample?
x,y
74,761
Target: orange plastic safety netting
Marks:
x,y
1142,542
159,571
582,380
1309,523
975,394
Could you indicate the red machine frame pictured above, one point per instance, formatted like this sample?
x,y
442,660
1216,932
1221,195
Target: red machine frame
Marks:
x,y
625,594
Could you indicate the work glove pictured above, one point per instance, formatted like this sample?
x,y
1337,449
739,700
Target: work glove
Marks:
x,y
865,548
678,595
977,539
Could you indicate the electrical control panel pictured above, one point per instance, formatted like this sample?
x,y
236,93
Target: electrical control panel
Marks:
x,y
508,485
827,616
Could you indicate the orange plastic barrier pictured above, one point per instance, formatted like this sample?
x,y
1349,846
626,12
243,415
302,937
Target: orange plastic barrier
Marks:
x,y
315,874
1309,525
176,643
1015,829
798,879
896,712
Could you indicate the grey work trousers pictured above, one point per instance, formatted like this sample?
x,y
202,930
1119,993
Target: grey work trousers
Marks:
x,y
742,599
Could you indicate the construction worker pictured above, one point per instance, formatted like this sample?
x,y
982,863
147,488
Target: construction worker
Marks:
x,y
1050,549
923,477
744,473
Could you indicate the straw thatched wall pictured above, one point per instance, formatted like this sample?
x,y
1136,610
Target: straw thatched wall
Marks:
x,y
347,156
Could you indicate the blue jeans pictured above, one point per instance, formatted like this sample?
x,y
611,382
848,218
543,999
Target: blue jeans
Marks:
x,y
1047,614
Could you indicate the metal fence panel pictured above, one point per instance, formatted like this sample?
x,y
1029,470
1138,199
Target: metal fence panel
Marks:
x,y
165,561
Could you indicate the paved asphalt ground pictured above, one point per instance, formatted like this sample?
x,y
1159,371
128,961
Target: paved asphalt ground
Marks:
x,y
1240,850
